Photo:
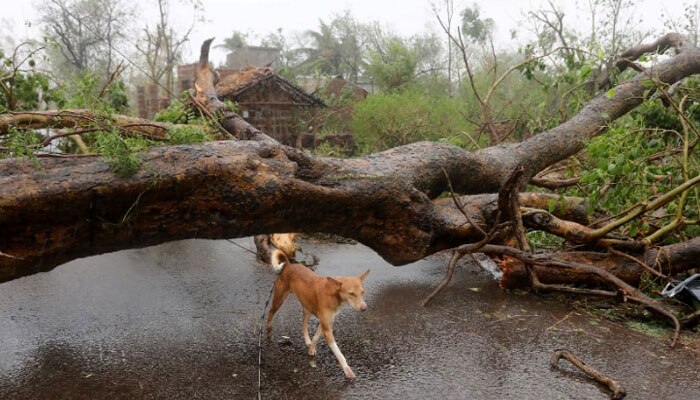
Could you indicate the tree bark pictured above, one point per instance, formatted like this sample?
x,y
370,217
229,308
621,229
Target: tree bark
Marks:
x,y
56,210
79,118
668,260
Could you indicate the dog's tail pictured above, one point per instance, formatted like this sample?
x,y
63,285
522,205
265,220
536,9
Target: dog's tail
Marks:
x,y
278,259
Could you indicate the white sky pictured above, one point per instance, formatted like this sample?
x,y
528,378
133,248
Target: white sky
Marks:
x,y
405,17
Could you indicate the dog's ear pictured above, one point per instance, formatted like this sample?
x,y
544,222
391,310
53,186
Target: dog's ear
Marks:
x,y
364,275
334,282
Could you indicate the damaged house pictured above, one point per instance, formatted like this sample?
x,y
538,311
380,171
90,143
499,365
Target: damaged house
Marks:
x,y
269,102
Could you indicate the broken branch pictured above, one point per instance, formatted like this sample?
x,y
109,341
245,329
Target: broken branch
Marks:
x,y
617,392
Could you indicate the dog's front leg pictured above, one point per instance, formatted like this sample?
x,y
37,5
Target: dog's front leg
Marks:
x,y
327,326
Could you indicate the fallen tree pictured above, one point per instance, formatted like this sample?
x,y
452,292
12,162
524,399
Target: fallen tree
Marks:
x,y
53,210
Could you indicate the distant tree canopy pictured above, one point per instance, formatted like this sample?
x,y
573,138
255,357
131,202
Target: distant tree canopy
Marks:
x,y
82,34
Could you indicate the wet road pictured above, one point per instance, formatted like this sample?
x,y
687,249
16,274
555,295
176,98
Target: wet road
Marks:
x,y
179,321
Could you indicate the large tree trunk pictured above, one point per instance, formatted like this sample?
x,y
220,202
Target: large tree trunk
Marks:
x,y
55,210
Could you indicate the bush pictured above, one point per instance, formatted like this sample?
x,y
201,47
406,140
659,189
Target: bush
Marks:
x,y
388,120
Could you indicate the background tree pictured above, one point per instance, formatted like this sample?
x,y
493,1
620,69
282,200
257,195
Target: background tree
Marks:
x,y
688,24
234,42
22,86
162,46
84,33
336,48
392,65
394,61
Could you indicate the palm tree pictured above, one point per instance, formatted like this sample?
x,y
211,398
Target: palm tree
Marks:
x,y
234,42
335,48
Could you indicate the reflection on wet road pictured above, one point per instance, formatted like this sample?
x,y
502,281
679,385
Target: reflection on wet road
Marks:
x,y
179,321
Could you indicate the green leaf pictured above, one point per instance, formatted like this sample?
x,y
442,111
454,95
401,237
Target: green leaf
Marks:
x,y
611,93
585,71
647,82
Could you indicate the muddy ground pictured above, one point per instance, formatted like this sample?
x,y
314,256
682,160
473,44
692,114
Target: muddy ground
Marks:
x,y
179,321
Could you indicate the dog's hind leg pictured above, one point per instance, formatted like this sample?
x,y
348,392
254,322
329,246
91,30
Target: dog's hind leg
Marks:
x,y
305,330
317,336
280,293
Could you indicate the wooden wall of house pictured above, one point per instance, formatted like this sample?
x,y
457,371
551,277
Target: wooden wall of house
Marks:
x,y
273,111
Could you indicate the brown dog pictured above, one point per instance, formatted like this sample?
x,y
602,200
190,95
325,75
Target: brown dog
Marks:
x,y
318,295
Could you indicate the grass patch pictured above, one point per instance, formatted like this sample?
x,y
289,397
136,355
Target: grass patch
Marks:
x,y
648,328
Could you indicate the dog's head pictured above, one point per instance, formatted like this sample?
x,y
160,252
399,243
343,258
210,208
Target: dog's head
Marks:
x,y
351,290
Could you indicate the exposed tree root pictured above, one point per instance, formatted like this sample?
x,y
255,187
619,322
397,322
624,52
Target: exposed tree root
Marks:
x,y
617,392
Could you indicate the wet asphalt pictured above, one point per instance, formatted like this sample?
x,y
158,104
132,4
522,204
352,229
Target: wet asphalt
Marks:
x,y
180,321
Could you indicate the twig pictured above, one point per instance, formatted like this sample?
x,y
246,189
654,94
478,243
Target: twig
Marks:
x,y
617,392
50,139
560,321
112,77
10,256
641,208
638,262
64,155
552,184
456,256
459,205
508,190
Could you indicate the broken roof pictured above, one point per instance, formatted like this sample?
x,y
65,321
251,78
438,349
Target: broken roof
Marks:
x,y
236,83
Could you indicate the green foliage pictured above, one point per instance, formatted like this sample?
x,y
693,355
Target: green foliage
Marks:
x,y
20,143
177,113
540,240
188,135
633,163
474,27
337,117
117,96
121,153
653,114
334,49
394,67
22,89
387,120
234,42
649,328
88,91
124,153
326,149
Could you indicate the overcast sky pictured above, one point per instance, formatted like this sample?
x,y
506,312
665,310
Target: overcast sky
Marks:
x,y
405,17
